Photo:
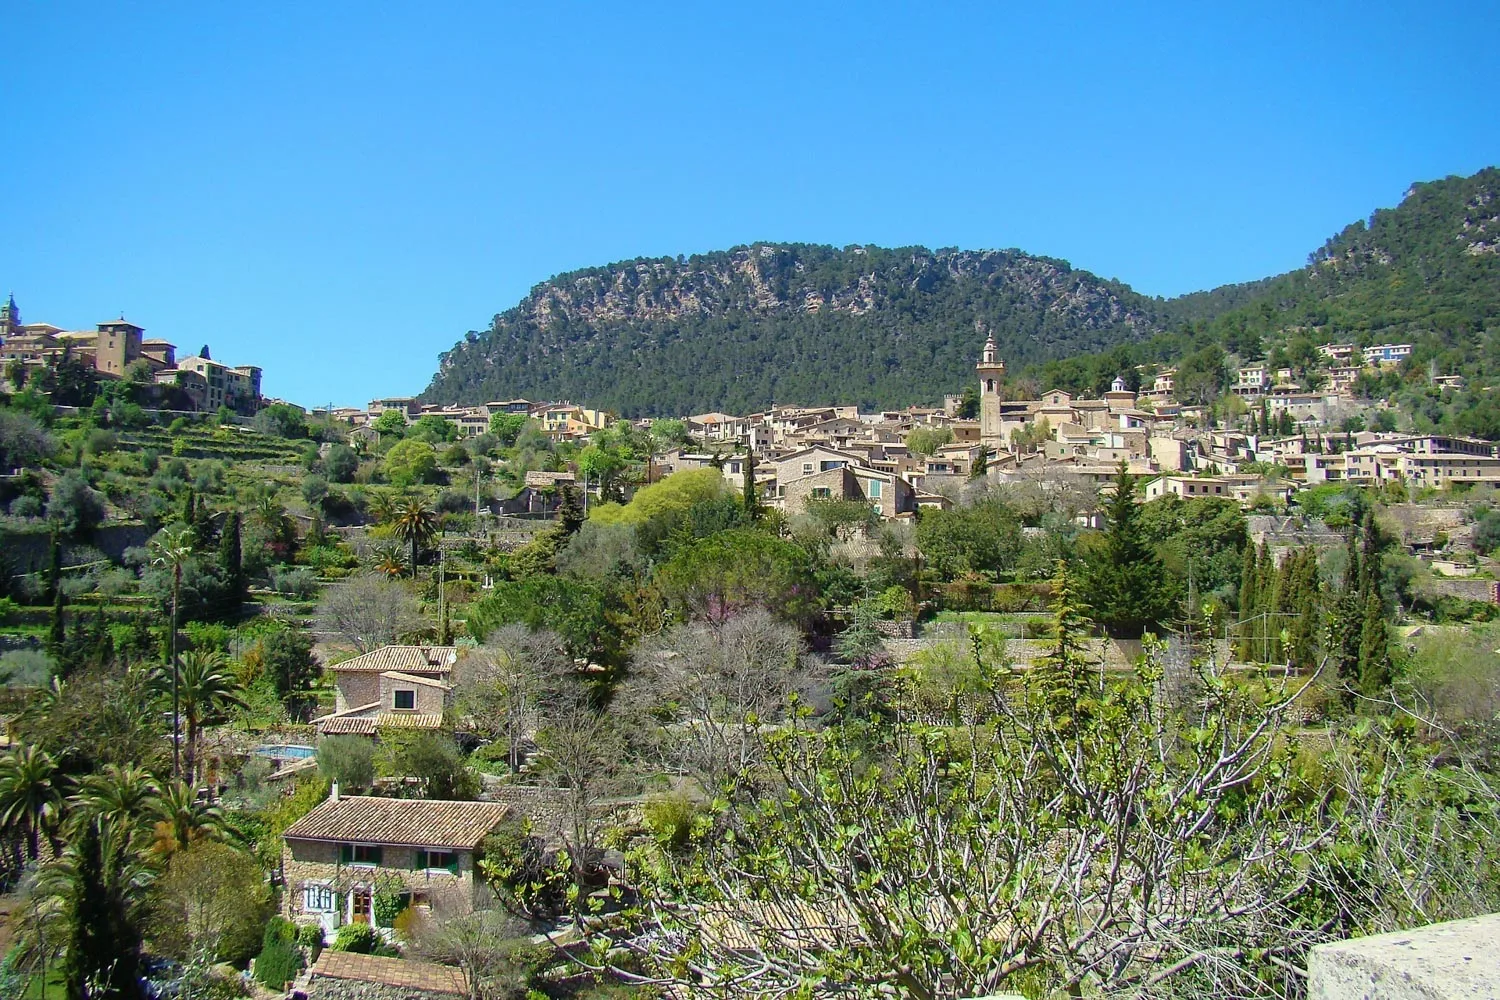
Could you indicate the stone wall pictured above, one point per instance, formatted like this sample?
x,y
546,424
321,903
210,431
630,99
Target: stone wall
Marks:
x,y
327,988
1453,959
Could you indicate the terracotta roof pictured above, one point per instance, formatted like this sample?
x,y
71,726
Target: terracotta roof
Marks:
x,y
401,972
409,720
397,675
367,819
403,658
347,725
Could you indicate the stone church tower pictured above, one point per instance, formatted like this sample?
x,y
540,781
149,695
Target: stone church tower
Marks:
x,y
991,370
10,318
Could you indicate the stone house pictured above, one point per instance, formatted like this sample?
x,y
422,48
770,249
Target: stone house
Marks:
x,y
890,495
407,686
353,852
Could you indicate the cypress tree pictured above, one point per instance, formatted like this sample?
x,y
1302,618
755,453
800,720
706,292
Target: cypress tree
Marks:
x,y
1374,650
752,508
231,560
1348,620
1248,583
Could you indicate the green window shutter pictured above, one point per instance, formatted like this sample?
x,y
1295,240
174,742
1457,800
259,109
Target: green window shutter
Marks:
x,y
421,861
346,853
377,854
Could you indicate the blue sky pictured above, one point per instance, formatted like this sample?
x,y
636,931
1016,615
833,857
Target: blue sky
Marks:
x,y
337,192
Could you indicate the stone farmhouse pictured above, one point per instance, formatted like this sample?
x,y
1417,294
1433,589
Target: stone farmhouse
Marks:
x,y
351,850
394,686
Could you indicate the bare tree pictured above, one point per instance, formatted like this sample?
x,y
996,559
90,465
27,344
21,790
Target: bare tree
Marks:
x,y
583,757
509,686
713,688
370,611
489,946
1080,837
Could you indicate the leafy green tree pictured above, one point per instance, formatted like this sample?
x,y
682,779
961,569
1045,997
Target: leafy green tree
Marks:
x,y
927,440
282,420
410,462
507,427
288,658
75,506
433,429
349,760
231,561
733,570
984,537
211,899
340,463
1374,651
432,757
1126,585
205,688
390,423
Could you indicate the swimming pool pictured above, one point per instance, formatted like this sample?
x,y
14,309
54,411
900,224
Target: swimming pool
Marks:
x,y
285,751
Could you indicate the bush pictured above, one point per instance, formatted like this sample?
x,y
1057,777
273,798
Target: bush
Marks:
x,y
299,583
310,936
26,668
670,819
75,505
349,760
279,961
340,463
358,938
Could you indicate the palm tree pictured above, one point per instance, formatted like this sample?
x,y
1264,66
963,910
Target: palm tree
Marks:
x,y
416,524
205,688
382,506
173,549
388,560
116,795
88,908
31,798
183,819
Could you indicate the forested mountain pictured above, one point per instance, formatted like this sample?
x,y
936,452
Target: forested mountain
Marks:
x,y
736,330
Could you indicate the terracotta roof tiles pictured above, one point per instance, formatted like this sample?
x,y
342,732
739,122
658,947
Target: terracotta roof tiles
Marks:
x,y
368,819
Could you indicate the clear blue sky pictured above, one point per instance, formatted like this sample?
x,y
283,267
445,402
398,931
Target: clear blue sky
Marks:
x,y
337,192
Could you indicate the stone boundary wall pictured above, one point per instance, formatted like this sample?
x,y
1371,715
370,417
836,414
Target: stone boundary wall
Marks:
x,y
328,988
1455,959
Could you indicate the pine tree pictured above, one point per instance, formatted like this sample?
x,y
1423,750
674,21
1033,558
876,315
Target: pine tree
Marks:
x,y
1127,586
1060,679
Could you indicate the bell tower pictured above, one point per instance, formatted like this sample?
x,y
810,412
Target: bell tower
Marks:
x,y
10,318
991,370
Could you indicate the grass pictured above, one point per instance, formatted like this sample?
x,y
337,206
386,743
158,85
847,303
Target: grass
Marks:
x,y
51,987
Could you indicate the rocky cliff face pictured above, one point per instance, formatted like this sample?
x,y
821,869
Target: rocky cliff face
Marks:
x,y
648,334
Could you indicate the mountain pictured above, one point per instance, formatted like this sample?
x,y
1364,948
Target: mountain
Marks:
x,y
738,329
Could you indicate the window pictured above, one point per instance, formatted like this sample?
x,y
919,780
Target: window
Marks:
x,y
317,898
821,493
875,487
360,854
807,468
825,466
406,699
437,859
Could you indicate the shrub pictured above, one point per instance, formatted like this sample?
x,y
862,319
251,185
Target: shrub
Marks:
x,y
279,961
75,505
358,938
26,668
310,936
349,760
670,819
298,583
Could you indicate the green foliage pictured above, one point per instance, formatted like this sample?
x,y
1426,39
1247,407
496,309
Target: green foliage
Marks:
x,y
927,440
507,427
349,760
282,420
75,506
526,879
433,429
670,818
361,939
340,463
1123,580
578,611
984,537
673,495
410,462
734,570
279,961
432,757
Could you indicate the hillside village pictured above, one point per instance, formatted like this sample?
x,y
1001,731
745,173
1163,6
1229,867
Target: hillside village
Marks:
x,y
454,685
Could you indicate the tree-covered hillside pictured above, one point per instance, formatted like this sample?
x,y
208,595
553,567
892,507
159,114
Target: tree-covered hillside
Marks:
x,y
739,329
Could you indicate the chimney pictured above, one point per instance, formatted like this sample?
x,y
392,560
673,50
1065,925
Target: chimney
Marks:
x,y
333,792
